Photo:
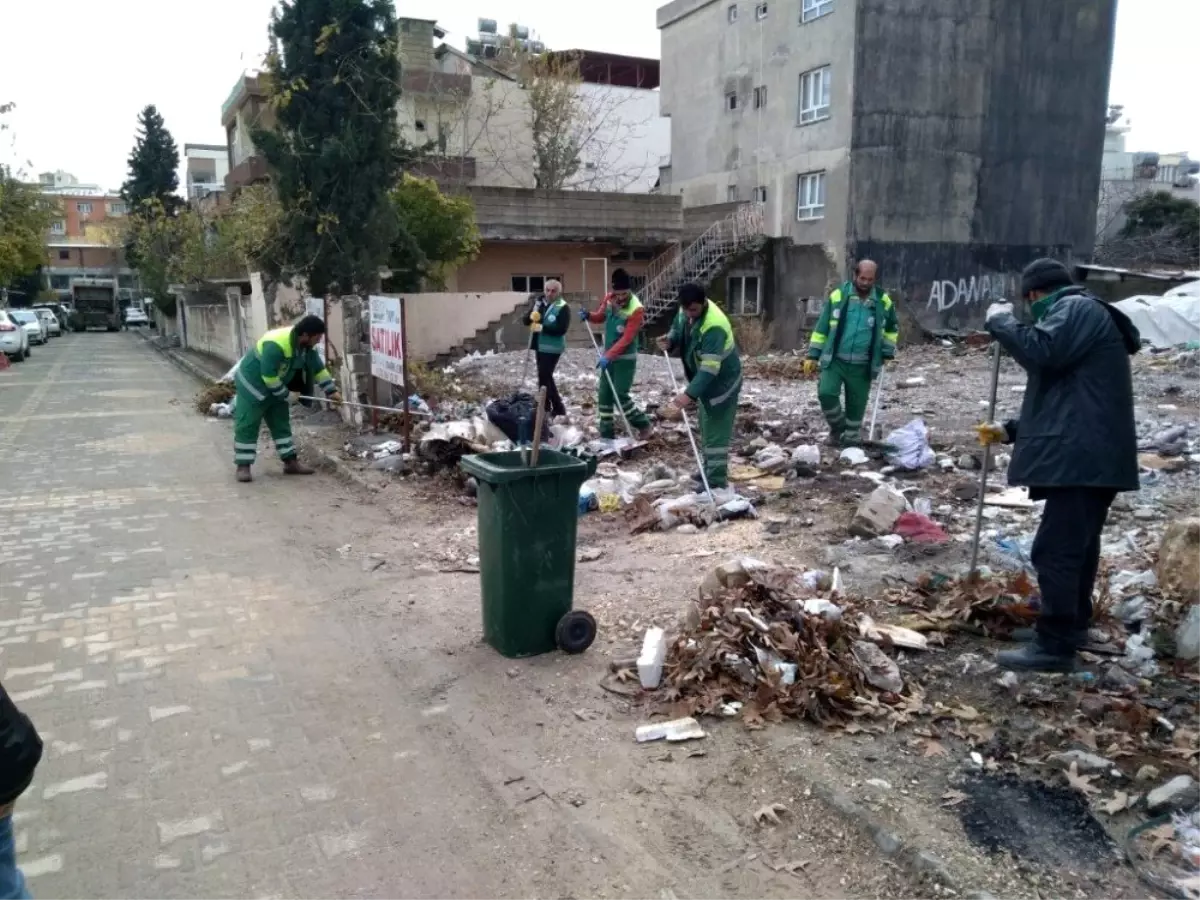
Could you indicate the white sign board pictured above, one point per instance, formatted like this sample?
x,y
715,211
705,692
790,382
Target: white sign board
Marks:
x,y
387,340
315,306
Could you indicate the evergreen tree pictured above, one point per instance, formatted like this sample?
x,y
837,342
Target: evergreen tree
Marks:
x,y
152,165
333,75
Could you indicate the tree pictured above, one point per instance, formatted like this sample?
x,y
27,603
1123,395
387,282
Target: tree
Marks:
x,y
152,165
333,77
25,218
1161,210
435,233
1159,229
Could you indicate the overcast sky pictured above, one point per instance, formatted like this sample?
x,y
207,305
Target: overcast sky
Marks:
x,y
80,75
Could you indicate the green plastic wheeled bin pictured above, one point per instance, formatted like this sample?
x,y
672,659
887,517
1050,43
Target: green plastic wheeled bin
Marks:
x,y
527,524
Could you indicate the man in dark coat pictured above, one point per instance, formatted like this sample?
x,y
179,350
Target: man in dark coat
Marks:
x,y
1075,444
20,752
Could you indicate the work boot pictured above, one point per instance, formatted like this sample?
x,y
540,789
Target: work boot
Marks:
x,y
243,474
293,466
1034,657
644,434
1025,635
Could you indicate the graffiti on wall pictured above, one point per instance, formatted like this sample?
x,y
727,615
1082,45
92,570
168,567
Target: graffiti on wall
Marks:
x,y
949,294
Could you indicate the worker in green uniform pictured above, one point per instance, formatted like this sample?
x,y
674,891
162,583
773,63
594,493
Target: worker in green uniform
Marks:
x,y
623,315
262,381
865,331
702,335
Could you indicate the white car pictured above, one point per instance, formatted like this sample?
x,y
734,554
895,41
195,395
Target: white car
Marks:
x,y
135,317
14,339
32,323
50,320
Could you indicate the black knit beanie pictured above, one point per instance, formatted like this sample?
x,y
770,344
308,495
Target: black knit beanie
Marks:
x,y
1044,274
620,280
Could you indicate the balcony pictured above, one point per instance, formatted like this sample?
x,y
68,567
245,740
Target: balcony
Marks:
x,y
199,189
251,170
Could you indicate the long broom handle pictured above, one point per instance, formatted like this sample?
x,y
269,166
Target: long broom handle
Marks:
x,y
987,460
688,427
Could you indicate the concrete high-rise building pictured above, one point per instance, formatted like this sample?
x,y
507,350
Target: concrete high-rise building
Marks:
x,y
950,140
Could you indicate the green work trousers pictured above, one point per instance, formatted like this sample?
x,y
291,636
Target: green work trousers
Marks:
x,y
844,425
621,373
716,434
248,417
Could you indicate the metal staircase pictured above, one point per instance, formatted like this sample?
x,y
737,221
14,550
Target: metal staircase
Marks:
x,y
702,259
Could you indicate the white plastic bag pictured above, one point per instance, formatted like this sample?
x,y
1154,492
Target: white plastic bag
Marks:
x,y
910,446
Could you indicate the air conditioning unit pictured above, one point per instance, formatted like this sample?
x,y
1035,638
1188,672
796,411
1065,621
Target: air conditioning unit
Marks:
x,y
537,47
521,32
487,26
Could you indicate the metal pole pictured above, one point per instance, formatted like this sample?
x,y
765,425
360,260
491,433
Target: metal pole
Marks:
x,y
987,461
691,439
875,409
385,409
611,386
404,375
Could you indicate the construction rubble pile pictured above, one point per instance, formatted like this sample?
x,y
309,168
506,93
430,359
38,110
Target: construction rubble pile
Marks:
x,y
765,642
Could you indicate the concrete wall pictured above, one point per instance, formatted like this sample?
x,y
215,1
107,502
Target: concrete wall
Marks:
x,y
576,216
499,261
978,136
713,149
626,139
798,280
209,328
437,323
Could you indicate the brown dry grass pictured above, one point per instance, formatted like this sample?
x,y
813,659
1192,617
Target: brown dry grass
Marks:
x,y
753,336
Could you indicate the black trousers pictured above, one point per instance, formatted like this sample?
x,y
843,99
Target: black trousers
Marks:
x,y
546,364
1066,555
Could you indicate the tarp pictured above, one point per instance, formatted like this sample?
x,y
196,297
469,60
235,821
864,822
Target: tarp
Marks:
x,y
1167,321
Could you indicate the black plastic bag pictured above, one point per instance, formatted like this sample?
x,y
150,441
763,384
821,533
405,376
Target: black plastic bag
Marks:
x,y
515,415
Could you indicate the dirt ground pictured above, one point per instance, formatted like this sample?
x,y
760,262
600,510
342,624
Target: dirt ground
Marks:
x,y
680,820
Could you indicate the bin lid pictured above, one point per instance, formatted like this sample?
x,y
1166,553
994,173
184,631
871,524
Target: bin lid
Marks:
x,y
501,468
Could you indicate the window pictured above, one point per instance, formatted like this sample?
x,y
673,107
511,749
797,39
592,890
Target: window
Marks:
x,y
760,11
731,193
810,196
814,9
814,95
760,194
419,125
117,208
742,295
532,284
85,208
59,227
760,96
731,13
60,282
64,254
731,100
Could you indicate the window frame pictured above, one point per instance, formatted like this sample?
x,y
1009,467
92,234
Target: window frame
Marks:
x,y
808,115
80,207
731,193
816,211
759,97
760,193
740,308
811,10
58,227
731,101
731,13
116,208
529,289
760,12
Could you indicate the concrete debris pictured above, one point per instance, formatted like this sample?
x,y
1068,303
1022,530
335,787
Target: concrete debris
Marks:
x,y
1180,793
1187,635
1179,560
650,662
878,512
1083,761
674,731
877,667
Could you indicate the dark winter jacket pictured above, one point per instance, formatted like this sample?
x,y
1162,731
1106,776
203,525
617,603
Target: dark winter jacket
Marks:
x,y
20,750
553,327
1076,427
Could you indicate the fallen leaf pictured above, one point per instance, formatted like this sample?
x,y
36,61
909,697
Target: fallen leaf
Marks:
x,y
770,813
793,867
953,798
1164,836
1119,801
965,712
1081,783
933,748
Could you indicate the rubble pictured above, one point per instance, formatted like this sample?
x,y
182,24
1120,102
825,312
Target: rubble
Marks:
x,y
1181,792
878,513
1178,567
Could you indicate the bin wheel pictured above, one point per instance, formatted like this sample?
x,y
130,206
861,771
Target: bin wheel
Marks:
x,y
575,632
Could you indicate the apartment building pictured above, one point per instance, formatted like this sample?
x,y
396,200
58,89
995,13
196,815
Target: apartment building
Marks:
x,y
205,167
950,141
81,241
245,108
1126,175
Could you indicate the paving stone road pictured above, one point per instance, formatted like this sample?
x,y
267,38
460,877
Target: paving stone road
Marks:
x,y
210,728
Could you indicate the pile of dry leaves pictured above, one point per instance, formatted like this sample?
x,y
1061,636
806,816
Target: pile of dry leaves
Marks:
x,y
766,367
991,606
217,392
770,642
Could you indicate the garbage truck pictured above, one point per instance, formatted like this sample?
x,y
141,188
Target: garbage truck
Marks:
x,y
95,304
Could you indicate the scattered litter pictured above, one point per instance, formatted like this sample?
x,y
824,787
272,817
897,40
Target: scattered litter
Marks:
x,y
676,730
1013,498
1187,635
853,456
650,662
910,446
878,668
920,529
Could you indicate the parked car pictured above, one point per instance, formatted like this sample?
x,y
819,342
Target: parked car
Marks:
x,y
53,328
14,339
135,317
32,323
